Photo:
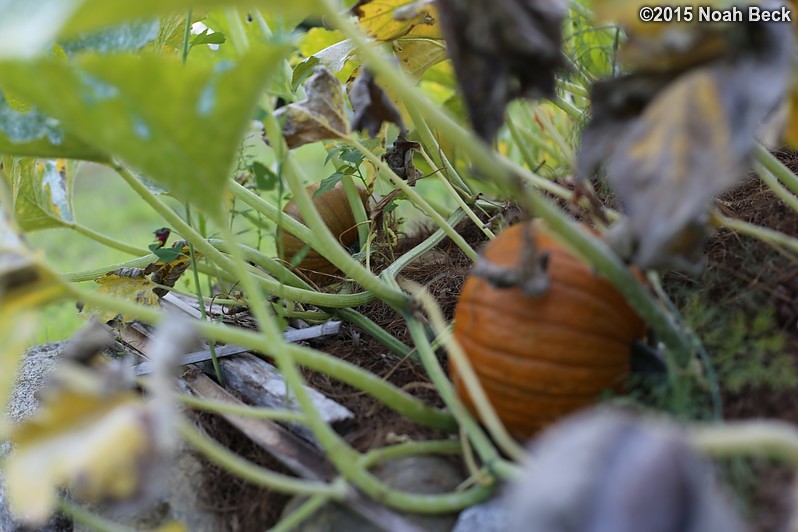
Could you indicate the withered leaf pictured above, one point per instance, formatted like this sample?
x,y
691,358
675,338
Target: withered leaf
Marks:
x,y
371,105
400,159
130,284
683,142
320,116
96,445
167,273
502,50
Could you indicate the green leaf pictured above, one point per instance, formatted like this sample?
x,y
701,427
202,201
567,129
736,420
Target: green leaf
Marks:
x,y
352,156
41,192
208,38
30,133
94,14
123,38
178,124
164,254
328,183
264,177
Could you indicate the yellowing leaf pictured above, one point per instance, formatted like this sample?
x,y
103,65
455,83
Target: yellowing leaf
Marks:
x,y
386,20
167,274
95,445
129,284
42,191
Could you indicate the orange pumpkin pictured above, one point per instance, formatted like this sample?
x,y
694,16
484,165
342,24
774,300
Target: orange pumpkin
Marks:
x,y
542,357
333,207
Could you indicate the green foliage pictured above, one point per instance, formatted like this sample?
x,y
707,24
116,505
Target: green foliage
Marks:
x,y
746,352
148,111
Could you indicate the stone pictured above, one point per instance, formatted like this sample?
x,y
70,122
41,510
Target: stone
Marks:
x,y
416,474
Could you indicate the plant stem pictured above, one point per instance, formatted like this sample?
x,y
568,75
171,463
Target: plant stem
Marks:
x,y
358,210
255,474
776,167
391,452
374,330
211,345
348,373
82,516
775,185
490,457
304,512
327,244
89,275
186,35
413,196
463,206
218,407
503,171
765,234
765,438
420,249
466,371
107,240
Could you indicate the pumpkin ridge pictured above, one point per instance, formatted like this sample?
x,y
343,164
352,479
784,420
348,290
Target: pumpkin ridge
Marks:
x,y
536,317
525,355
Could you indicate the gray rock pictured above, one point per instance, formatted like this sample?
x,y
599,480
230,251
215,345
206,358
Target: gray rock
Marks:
x,y
417,474
36,366
490,516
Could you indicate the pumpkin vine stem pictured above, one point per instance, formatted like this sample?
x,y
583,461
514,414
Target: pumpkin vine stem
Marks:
x,y
475,390
761,438
506,173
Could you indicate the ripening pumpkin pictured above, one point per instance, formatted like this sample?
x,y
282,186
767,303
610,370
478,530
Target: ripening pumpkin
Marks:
x,y
542,357
333,207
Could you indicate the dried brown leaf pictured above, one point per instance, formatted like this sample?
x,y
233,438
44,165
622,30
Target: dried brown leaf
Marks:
x,y
320,116
371,105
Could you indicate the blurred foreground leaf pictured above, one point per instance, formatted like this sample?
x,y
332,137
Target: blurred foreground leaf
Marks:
x,y
92,14
675,140
97,445
27,132
180,125
502,50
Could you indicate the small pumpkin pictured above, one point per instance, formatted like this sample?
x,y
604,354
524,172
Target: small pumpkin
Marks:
x,y
333,207
542,357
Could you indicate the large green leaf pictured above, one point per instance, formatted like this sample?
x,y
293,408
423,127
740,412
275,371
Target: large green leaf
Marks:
x,y
94,14
41,191
30,133
178,124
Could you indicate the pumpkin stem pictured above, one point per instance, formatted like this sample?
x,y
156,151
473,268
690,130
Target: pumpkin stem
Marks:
x,y
531,274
